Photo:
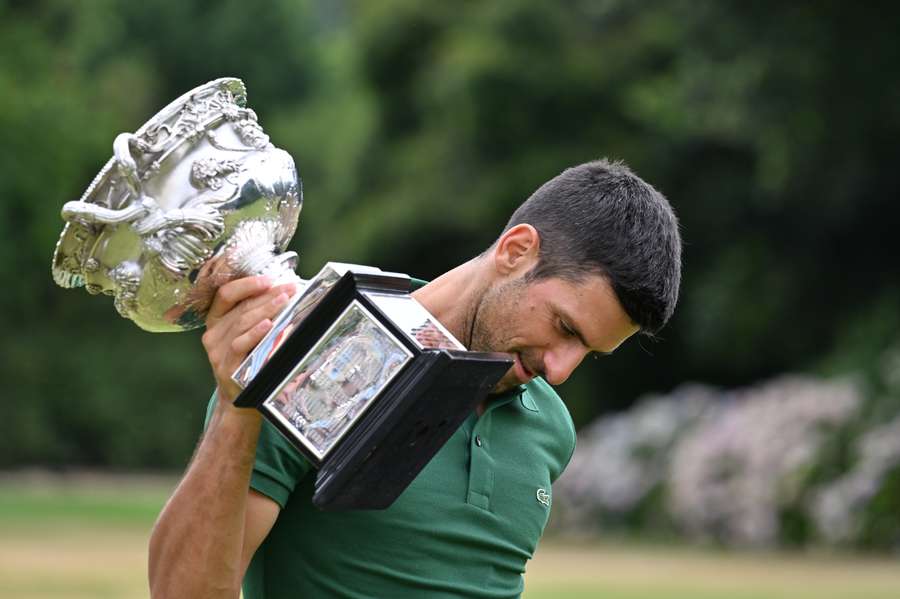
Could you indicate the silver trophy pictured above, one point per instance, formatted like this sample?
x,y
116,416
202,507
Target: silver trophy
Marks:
x,y
193,199
355,373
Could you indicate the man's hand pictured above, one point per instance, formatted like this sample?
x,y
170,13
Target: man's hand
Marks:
x,y
240,316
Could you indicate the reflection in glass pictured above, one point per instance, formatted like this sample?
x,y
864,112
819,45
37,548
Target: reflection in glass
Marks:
x,y
413,319
339,377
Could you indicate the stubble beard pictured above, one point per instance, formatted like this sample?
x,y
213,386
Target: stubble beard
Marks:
x,y
489,320
488,317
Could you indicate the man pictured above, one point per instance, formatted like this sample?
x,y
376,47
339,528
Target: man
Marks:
x,y
591,258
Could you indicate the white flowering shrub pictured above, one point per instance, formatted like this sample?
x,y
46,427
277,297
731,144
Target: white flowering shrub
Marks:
x,y
622,459
735,473
793,460
842,510
860,506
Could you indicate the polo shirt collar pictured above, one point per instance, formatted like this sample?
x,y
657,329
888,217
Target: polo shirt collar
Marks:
x,y
520,396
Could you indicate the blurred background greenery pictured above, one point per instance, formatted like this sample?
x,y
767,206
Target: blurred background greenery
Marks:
x,y
418,127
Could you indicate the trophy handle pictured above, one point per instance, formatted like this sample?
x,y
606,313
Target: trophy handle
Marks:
x,y
126,163
93,214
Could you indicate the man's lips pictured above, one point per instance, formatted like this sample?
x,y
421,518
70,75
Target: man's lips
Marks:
x,y
522,373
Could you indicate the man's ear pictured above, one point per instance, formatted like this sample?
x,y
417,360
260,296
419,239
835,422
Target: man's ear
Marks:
x,y
516,252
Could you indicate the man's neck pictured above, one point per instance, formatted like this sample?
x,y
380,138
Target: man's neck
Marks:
x,y
453,298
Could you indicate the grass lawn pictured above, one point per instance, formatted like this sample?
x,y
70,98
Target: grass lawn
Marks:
x,y
77,537
642,572
86,537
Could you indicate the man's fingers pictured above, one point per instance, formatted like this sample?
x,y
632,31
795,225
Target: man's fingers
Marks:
x,y
270,309
244,343
263,299
233,292
242,313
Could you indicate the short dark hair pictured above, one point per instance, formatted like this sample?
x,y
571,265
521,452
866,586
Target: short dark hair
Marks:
x,y
601,218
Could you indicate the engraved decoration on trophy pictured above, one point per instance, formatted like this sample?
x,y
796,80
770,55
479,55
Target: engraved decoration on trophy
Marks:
x,y
194,198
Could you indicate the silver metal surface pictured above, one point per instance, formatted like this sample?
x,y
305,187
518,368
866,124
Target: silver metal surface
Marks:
x,y
341,376
194,198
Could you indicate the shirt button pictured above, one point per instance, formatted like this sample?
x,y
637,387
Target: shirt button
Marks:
x,y
478,440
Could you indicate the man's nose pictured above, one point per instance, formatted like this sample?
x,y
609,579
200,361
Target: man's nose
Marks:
x,y
562,361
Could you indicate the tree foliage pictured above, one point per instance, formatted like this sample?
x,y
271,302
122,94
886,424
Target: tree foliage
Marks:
x,y
417,128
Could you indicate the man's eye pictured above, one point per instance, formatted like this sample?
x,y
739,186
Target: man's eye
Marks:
x,y
566,329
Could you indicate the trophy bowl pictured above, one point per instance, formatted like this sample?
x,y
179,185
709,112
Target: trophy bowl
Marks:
x,y
196,197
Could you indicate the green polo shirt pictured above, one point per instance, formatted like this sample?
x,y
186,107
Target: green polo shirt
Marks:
x,y
465,527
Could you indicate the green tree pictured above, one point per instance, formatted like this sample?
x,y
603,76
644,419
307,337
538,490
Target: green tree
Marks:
x,y
417,128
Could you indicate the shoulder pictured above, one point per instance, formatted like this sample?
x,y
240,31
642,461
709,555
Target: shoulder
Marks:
x,y
555,419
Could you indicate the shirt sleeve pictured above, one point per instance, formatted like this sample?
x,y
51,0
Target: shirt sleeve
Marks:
x,y
558,421
278,468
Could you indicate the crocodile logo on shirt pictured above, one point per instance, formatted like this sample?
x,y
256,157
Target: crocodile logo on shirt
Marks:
x,y
543,497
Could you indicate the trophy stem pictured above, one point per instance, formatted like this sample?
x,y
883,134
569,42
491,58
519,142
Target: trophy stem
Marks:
x,y
254,250
281,268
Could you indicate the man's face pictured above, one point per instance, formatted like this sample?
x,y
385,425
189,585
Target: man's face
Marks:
x,y
549,326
